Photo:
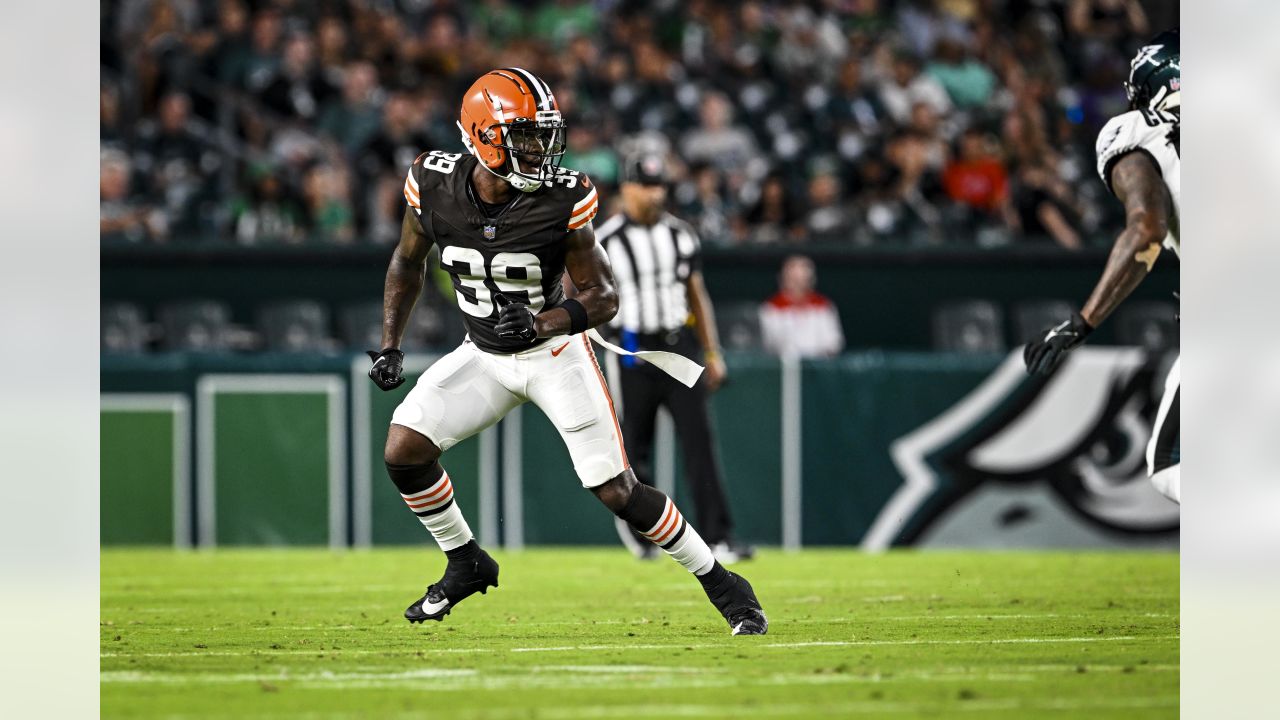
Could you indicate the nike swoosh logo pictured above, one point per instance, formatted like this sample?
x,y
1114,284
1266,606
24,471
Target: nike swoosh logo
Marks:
x,y
431,608
1055,332
557,351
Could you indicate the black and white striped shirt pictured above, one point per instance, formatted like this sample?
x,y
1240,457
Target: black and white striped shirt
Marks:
x,y
651,265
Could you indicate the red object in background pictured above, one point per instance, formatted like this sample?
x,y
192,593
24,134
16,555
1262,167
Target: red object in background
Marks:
x,y
981,183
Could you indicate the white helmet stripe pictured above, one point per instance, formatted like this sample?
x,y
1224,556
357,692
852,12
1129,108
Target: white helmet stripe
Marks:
x,y
539,88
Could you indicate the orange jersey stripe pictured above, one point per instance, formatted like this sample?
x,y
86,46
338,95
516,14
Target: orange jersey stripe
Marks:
x,y
584,216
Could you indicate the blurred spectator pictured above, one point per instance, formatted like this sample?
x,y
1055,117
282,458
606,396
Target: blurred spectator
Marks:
x,y
810,45
559,21
829,219
110,130
880,199
383,162
586,154
354,119
775,217
706,203
717,141
1046,208
251,65
919,155
123,218
176,158
798,321
1120,22
270,214
976,177
967,81
906,86
925,23
496,20
328,200
855,111
298,90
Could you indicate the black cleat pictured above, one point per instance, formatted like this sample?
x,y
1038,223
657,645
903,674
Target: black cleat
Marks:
x,y
462,579
737,602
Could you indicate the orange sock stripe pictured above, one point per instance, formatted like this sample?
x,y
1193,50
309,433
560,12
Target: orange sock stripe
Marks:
x,y
433,490
662,521
677,521
605,387
431,503
435,502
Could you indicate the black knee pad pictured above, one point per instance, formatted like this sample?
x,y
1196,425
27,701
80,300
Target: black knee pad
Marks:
x,y
644,508
412,479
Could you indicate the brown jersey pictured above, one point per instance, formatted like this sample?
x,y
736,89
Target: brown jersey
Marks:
x,y
518,252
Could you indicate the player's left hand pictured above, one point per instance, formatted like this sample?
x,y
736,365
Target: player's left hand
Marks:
x,y
1043,356
515,320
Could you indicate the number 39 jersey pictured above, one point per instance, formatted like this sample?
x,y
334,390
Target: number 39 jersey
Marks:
x,y
1156,133
519,253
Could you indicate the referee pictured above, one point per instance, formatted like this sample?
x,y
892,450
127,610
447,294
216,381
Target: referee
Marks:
x,y
663,305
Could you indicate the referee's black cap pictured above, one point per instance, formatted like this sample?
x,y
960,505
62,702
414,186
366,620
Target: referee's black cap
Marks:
x,y
649,169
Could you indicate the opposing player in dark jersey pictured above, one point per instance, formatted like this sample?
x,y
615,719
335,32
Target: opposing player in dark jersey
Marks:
x,y
509,223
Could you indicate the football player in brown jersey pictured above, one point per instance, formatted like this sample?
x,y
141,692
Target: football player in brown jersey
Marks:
x,y
509,223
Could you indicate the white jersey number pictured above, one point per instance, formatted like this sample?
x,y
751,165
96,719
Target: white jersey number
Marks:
x,y
505,274
441,162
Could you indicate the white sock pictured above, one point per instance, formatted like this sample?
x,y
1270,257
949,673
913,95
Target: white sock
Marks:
x,y
1169,482
440,515
678,538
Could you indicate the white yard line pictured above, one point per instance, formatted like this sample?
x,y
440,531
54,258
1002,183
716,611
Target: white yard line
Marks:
x,y
636,646
642,623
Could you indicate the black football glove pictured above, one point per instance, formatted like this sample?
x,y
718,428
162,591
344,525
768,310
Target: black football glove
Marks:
x,y
1042,356
387,368
515,320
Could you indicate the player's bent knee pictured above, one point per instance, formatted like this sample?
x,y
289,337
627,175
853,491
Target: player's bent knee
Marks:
x,y
617,491
643,506
409,447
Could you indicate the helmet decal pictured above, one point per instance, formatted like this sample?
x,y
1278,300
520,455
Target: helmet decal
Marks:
x,y
1155,73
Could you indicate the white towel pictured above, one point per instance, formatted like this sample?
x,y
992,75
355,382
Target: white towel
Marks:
x,y
677,366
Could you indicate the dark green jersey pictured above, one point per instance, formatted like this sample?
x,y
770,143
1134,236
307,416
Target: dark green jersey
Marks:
x,y
517,250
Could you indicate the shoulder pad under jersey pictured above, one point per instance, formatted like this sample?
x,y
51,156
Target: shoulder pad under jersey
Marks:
x,y
1147,130
579,195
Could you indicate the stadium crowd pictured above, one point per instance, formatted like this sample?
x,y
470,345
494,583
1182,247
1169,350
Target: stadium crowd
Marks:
x,y
849,122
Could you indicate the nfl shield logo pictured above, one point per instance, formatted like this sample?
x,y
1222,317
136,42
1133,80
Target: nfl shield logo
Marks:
x,y
490,231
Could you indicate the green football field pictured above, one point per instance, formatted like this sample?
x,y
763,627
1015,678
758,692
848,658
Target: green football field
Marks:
x,y
595,634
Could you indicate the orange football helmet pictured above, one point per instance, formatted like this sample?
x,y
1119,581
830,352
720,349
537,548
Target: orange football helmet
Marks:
x,y
511,123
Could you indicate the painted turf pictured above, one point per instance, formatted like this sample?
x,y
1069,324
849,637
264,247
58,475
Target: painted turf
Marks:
x,y
594,634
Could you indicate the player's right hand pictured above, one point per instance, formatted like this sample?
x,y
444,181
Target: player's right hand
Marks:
x,y
1042,356
387,368
515,320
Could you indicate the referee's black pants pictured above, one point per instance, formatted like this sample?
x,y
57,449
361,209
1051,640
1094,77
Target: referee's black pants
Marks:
x,y
646,388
